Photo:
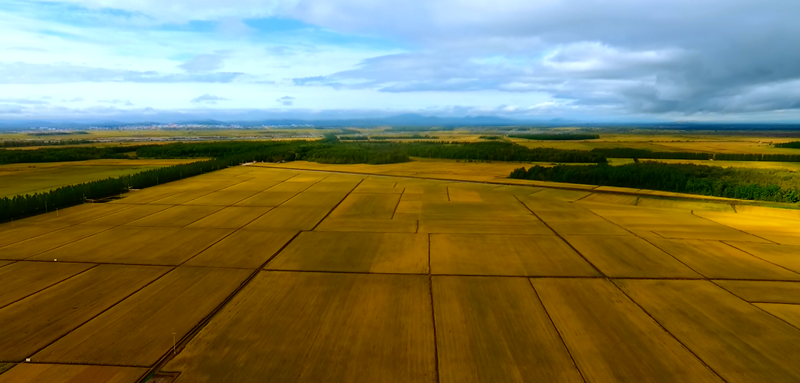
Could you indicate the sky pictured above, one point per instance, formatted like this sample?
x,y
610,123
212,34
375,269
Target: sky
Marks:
x,y
586,60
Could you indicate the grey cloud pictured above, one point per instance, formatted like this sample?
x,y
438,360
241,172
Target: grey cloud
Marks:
x,y
286,100
60,73
208,99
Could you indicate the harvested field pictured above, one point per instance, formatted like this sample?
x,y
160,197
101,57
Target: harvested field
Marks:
x,y
267,198
38,320
520,255
244,248
59,373
629,256
319,337
16,232
493,329
757,346
611,339
138,245
138,330
355,252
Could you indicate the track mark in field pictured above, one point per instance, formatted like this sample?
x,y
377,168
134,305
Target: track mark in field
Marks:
x,y
559,236
181,343
666,331
334,208
433,313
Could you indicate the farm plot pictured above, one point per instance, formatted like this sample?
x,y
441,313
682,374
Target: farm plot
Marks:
x,y
520,255
128,215
757,346
139,330
232,217
267,198
764,292
60,373
355,252
611,339
244,248
628,256
368,225
75,214
38,245
13,232
788,313
138,245
289,218
492,329
176,216
474,211
316,327
484,227
781,255
315,200
38,320
22,279
714,259
367,206
221,198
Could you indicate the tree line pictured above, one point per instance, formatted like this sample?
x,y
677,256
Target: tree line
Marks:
x,y
500,151
29,143
556,137
748,184
649,154
64,154
792,145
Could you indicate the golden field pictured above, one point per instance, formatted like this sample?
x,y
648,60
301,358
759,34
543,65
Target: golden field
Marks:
x,y
420,272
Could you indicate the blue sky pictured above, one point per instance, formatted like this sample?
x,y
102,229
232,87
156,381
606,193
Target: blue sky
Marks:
x,y
626,60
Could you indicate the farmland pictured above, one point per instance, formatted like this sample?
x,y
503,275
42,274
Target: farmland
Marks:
x,y
428,271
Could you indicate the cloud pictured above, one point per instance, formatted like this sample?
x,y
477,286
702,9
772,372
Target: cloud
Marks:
x,y
204,63
75,99
23,101
208,99
286,100
60,73
117,102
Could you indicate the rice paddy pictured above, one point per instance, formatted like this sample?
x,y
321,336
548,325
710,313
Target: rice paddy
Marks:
x,y
342,273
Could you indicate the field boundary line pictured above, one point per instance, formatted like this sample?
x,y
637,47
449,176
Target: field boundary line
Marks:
x,y
398,203
50,285
103,311
591,188
553,323
650,243
757,257
184,341
730,227
337,204
759,308
666,331
561,237
433,313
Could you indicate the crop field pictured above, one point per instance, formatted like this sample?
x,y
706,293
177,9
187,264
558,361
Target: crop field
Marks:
x,y
426,272
19,179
